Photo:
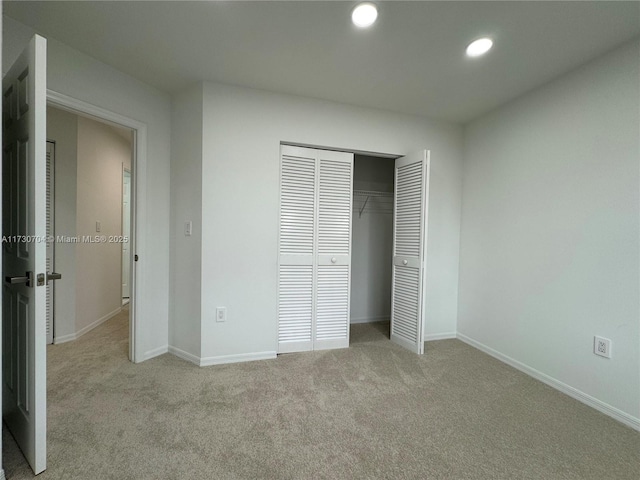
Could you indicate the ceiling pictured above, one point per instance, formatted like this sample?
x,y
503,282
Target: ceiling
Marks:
x,y
412,60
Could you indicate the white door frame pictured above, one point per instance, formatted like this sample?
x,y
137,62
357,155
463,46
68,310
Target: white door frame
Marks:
x,y
51,195
126,170
138,204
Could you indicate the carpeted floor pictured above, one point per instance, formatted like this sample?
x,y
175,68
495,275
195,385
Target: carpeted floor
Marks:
x,y
372,411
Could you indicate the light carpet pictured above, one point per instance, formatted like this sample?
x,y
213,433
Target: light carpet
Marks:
x,y
372,411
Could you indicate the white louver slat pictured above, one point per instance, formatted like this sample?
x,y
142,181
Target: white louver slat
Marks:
x,y
297,205
409,250
295,286
50,232
405,306
334,213
332,320
408,210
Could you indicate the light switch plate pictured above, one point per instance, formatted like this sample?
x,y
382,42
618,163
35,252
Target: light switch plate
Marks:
x,y
221,314
188,227
98,226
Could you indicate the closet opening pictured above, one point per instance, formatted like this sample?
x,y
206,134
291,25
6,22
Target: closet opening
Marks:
x,y
327,282
371,247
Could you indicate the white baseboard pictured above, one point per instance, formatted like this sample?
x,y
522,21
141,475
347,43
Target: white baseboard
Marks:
x,y
439,336
88,328
243,357
184,355
222,359
2,477
368,320
579,395
64,338
155,352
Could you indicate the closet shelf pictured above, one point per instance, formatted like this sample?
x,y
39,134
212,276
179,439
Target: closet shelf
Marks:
x,y
372,193
381,202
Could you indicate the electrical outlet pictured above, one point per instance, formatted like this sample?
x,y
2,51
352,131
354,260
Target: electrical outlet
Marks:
x,y
221,314
602,346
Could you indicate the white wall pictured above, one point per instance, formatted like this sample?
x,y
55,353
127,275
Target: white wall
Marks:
x,y
372,241
549,251
72,73
103,152
62,127
186,205
243,129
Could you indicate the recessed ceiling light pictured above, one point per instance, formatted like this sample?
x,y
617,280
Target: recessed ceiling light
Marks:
x,y
479,47
364,15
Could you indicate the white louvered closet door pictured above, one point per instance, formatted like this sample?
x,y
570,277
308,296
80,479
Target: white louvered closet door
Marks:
x,y
409,250
333,280
296,249
314,250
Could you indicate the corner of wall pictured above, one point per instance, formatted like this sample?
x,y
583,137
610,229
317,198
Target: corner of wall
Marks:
x,y
186,207
549,242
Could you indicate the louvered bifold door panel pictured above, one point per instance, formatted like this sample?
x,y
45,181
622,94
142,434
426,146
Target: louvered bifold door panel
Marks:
x,y
409,252
333,278
296,249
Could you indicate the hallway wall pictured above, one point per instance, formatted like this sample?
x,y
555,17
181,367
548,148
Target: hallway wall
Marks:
x,y
89,160
62,128
103,151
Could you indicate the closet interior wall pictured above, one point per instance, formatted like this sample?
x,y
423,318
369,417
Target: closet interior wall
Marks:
x,y
372,239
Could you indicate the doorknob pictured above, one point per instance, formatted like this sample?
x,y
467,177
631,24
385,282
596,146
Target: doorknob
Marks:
x,y
27,279
405,262
334,260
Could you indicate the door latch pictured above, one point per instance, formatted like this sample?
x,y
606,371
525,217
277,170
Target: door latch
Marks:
x,y
44,278
53,276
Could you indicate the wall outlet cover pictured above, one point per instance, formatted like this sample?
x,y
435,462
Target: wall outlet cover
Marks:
x,y
602,346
